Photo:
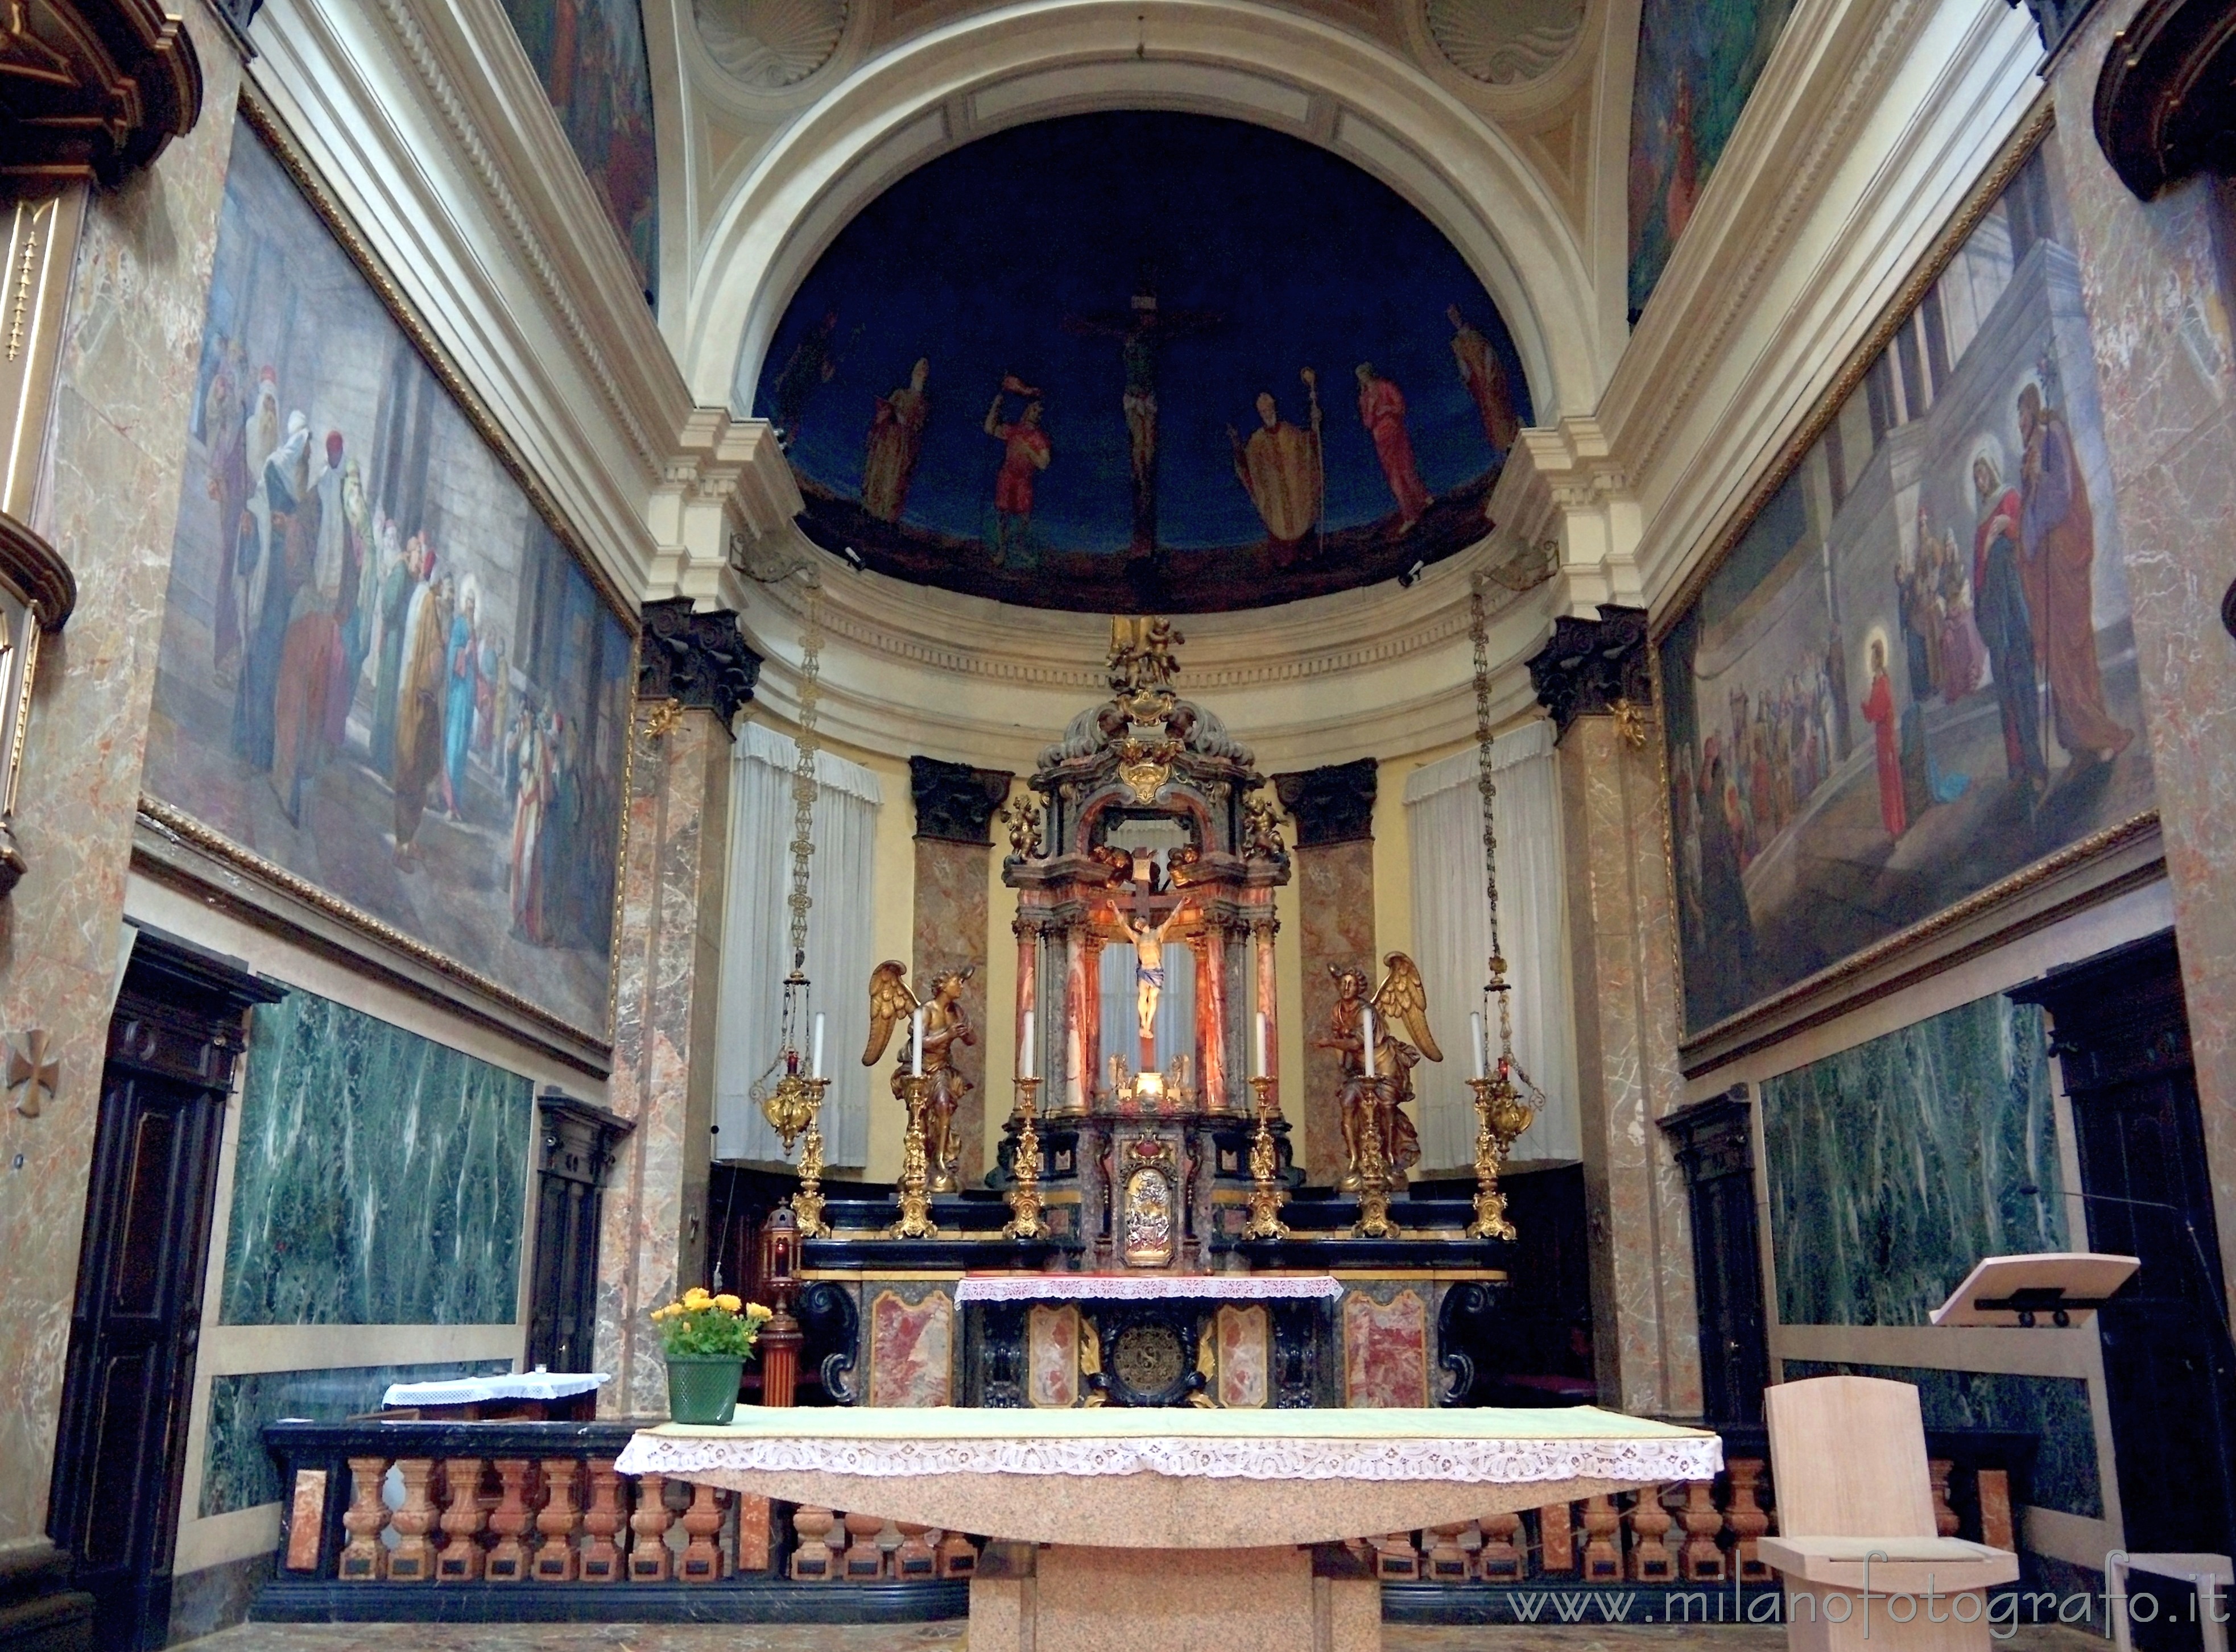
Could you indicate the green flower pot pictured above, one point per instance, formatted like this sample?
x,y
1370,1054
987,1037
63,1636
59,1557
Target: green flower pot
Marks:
x,y
703,1388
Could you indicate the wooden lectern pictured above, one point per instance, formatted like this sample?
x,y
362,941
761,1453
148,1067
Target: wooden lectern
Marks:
x,y
1863,1568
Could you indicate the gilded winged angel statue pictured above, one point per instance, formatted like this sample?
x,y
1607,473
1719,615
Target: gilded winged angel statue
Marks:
x,y
1403,998
945,1023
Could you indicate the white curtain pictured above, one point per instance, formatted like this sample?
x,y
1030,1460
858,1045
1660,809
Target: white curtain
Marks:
x,y
755,959
1452,939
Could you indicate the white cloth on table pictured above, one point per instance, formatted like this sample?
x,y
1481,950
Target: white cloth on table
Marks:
x,y
518,1385
1146,1288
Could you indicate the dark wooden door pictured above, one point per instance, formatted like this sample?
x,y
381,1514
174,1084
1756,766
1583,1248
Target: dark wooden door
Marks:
x,y
137,1317
1716,1147
2121,1033
578,1144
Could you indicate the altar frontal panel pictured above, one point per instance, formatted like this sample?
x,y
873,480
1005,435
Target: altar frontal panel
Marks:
x,y
383,682
1908,683
1386,1347
911,1343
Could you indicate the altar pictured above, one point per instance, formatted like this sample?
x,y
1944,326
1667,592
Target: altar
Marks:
x,y
1096,1514
1146,1238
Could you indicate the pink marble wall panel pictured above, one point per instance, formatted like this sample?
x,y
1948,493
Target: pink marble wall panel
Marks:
x,y
667,970
911,1350
1052,1357
1335,912
1645,1320
108,501
2155,284
1244,1346
1385,1350
951,934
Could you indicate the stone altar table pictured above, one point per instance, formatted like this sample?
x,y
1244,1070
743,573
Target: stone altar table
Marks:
x,y
1175,1529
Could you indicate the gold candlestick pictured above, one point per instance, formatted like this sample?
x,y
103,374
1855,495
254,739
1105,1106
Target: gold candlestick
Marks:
x,y
1025,1195
1374,1220
793,1110
1500,1116
1267,1196
915,1221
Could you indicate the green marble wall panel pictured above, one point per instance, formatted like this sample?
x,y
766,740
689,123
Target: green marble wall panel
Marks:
x,y
1893,1166
238,1474
2054,1408
380,1177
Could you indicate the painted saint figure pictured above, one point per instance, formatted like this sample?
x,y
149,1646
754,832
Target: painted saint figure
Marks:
x,y
2000,611
813,365
2057,545
1281,467
271,545
1382,410
1143,333
1025,454
896,439
310,656
461,672
1484,375
1878,709
419,705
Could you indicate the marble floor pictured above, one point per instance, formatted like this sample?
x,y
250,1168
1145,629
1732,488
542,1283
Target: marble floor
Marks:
x,y
948,1637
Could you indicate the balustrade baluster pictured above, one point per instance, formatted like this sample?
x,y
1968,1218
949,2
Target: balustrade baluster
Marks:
x,y
914,1561
413,1560
556,1560
1448,1562
1500,1560
459,1561
702,1560
601,1559
508,1557
865,1561
1602,1547
363,1559
1945,1522
648,1557
1702,1561
1747,1521
1556,1538
1996,1528
959,1556
1394,1558
1650,1560
812,1561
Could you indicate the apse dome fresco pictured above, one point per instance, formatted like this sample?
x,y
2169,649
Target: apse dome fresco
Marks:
x,y
1136,360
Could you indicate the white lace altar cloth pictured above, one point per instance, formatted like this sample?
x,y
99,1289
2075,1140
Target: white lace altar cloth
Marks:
x,y
1146,1288
1126,1478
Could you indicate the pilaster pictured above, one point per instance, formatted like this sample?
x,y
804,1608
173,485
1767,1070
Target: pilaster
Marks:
x,y
1621,916
722,508
695,672
1334,807
954,806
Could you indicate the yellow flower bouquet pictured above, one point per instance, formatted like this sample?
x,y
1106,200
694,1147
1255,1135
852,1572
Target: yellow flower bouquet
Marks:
x,y
708,1338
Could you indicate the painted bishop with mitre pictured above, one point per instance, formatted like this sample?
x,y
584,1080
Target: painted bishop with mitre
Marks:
x,y
1279,468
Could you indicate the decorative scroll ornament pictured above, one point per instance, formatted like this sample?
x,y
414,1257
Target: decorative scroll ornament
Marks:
x,y
771,44
1504,43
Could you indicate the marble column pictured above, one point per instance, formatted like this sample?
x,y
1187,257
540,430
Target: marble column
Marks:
x,y
2158,281
1592,678
1333,809
954,806
123,388
695,672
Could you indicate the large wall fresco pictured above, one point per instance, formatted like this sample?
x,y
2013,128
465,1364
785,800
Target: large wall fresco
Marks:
x,y
379,667
1698,61
1913,674
590,57
1142,360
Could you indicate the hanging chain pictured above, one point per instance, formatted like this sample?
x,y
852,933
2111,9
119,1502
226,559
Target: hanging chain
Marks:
x,y
803,779
1479,634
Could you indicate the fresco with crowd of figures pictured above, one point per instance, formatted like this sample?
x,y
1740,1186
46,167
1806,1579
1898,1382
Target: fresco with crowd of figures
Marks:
x,y
379,667
1224,368
1913,673
590,57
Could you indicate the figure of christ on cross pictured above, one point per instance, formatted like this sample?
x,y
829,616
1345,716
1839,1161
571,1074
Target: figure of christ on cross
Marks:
x,y
1148,941
1142,332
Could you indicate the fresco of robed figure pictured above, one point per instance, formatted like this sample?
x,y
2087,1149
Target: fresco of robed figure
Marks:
x,y
1914,672
1225,369
379,667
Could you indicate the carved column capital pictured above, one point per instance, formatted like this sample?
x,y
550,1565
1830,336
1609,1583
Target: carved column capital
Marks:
x,y
955,803
699,659
1330,805
1592,667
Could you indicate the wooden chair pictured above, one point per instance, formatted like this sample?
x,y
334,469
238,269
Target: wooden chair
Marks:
x,y
1857,1547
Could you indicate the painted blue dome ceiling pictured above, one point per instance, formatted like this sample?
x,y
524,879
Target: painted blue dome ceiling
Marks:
x,y
1036,368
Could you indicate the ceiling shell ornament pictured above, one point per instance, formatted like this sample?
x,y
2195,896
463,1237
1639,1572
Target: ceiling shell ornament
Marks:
x,y
1504,43
771,44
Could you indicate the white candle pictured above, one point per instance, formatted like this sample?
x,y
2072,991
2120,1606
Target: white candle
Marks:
x,y
1367,1043
815,1057
1026,1053
916,1044
1263,1070
1474,1040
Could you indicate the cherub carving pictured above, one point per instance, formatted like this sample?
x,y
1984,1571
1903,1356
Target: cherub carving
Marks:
x,y
892,1003
1402,997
